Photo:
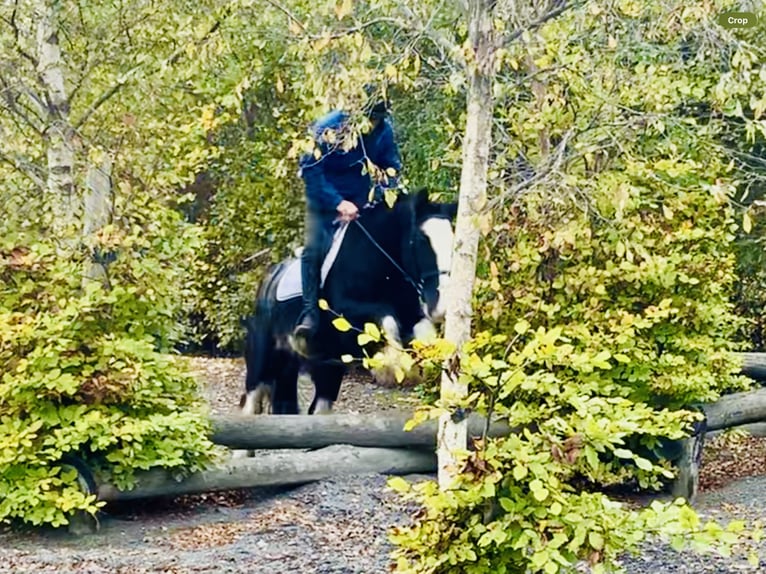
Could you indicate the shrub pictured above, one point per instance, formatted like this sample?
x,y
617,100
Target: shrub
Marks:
x,y
86,370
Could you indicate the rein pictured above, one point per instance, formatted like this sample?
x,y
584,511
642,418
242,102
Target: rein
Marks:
x,y
417,286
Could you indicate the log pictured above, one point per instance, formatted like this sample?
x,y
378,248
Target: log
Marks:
x,y
736,409
271,469
686,484
315,431
755,429
754,365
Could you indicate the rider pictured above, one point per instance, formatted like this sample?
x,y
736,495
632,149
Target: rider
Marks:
x,y
339,177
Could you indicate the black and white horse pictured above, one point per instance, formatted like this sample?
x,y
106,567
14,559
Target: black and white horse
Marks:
x,y
390,269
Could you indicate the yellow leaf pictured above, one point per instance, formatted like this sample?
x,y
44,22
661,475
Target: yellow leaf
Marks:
x,y
747,223
390,197
372,330
521,327
485,224
343,9
612,42
324,305
280,86
398,374
341,324
347,358
294,27
391,71
667,212
391,171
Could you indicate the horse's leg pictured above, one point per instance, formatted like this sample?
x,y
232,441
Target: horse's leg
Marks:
x,y
327,380
284,397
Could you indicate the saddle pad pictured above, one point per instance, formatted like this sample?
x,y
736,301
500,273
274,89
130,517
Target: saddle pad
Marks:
x,y
290,282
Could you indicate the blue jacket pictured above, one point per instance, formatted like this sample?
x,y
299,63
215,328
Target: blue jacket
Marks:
x,y
337,175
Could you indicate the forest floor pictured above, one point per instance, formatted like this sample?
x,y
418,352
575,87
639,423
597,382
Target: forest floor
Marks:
x,y
335,526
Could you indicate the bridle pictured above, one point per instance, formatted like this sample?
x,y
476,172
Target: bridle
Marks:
x,y
422,277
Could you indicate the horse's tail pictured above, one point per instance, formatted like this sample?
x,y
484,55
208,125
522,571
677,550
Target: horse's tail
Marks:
x,y
258,327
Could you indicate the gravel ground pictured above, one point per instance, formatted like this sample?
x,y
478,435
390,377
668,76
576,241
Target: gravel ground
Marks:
x,y
329,527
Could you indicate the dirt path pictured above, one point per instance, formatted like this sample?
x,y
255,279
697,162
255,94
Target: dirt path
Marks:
x,y
328,527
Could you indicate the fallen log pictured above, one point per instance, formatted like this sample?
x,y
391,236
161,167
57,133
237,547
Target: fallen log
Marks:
x,y
271,469
318,431
754,365
736,409
754,429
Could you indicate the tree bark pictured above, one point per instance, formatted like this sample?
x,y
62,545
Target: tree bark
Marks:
x,y
58,132
98,211
278,469
473,196
307,431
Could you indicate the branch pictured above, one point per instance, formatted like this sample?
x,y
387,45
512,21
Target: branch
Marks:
x,y
540,21
289,14
452,49
17,34
172,59
9,96
551,167
25,168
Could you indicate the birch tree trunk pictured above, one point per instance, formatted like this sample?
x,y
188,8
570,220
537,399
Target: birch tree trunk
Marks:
x,y
473,195
59,135
98,210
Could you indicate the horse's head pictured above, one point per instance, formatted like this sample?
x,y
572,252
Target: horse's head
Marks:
x,y
432,245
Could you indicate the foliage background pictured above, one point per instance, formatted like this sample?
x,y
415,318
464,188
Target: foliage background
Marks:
x,y
621,258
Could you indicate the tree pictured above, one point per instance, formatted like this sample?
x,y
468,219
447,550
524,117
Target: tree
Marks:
x,y
472,200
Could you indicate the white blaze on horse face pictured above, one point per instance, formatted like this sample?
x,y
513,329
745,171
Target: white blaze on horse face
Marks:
x,y
440,234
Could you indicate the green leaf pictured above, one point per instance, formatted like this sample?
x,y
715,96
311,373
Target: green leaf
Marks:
x,y
398,484
538,490
623,453
521,326
596,540
643,463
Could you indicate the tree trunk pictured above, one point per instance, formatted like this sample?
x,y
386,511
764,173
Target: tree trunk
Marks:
x,y
308,431
98,211
473,196
59,135
278,469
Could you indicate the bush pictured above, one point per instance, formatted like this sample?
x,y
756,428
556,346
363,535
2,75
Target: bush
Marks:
x,y
86,370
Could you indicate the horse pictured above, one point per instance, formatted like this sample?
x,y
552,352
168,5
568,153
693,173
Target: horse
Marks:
x,y
391,269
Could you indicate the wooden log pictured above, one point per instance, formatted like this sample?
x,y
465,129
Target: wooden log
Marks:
x,y
314,431
754,365
754,429
736,409
686,483
278,468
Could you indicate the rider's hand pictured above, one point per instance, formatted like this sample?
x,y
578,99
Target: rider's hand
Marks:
x,y
347,210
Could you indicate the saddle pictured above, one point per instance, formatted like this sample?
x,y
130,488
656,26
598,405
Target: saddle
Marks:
x,y
290,286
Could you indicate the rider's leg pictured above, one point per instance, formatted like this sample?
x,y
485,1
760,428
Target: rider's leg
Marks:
x,y
311,264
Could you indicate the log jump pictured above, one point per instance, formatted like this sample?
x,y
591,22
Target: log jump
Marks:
x,y
347,444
